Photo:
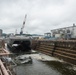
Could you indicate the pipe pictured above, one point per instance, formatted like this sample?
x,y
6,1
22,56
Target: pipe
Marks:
x,y
3,68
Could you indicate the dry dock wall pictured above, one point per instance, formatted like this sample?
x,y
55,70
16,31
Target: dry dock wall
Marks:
x,y
65,50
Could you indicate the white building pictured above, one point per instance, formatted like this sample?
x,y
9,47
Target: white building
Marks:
x,y
66,32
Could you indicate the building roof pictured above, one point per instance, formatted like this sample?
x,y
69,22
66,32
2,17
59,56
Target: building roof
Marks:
x,y
63,28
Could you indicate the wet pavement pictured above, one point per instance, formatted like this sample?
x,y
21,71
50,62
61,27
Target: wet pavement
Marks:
x,y
51,67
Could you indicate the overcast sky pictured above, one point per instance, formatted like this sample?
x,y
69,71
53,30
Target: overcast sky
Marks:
x,y
42,15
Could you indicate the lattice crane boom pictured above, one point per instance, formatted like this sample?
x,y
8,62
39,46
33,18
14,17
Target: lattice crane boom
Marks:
x,y
21,32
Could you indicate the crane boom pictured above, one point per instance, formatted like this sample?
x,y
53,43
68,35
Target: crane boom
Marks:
x,y
21,32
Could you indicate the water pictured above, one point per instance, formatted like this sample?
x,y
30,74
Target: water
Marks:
x,y
39,67
62,67
36,68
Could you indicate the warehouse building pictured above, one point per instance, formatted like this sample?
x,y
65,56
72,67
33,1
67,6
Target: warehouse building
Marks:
x,y
66,32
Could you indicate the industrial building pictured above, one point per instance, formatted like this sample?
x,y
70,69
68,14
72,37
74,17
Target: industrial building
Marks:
x,y
66,32
1,32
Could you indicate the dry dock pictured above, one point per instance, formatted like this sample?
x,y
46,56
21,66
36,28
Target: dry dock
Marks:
x,y
49,58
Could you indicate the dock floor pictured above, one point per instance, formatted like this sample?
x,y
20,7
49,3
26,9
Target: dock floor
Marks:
x,y
41,66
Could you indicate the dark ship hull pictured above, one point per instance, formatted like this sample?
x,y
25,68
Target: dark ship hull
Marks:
x,y
19,45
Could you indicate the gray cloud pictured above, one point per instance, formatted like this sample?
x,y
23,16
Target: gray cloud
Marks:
x,y
42,15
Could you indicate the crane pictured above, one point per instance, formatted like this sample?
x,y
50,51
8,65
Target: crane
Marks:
x,y
21,32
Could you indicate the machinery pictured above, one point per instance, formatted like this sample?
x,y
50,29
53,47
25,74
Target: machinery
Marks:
x,y
21,32
47,35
